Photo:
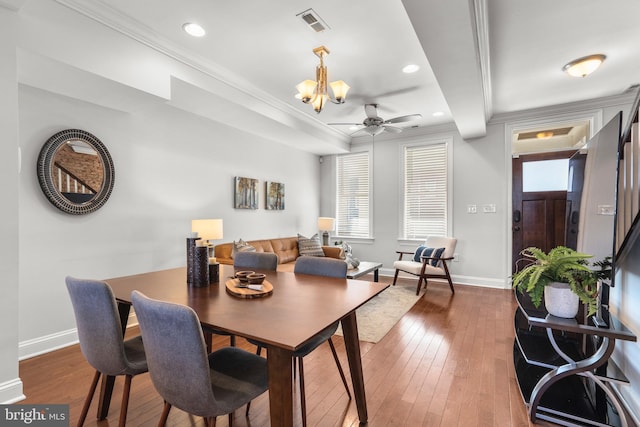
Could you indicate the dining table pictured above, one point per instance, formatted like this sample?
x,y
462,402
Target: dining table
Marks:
x,y
299,307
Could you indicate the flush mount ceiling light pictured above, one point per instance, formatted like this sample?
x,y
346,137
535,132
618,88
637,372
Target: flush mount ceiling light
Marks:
x,y
584,66
315,92
193,29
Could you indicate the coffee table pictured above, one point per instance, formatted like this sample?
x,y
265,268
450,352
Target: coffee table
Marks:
x,y
365,267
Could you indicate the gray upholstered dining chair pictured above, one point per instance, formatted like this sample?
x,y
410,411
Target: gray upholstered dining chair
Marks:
x,y
101,338
245,260
318,266
256,260
182,372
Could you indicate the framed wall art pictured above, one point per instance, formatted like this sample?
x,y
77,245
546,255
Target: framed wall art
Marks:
x,y
274,196
246,193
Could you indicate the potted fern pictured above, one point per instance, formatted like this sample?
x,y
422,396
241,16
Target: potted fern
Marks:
x,y
563,276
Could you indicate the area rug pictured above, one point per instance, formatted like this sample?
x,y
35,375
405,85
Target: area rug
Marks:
x,y
379,315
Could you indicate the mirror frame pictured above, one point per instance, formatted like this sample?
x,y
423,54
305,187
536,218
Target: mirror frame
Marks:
x,y
46,158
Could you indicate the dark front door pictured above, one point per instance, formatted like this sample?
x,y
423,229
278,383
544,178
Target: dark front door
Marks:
x,y
539,217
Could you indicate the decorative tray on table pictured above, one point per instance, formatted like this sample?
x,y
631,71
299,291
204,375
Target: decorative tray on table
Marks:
x,y
242,290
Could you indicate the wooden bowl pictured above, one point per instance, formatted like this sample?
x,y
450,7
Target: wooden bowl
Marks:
x,y
242,275
256,278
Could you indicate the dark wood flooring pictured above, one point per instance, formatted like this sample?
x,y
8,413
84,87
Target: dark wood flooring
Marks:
x,y
447,362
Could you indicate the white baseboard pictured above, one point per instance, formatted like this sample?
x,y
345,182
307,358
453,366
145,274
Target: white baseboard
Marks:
x,y
11,392
47,343
484,282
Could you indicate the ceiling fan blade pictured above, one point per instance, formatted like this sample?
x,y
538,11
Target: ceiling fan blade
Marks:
x,y
392,129
403,119
371,110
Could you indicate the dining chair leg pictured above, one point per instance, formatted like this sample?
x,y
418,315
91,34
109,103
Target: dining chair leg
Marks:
x,y
125,400
165,414
87,401
335,357
303,400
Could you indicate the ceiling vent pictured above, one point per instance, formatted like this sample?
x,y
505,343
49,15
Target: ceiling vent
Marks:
x,y
313,20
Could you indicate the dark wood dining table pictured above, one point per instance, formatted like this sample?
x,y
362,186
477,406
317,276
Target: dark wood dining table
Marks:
x,y
299,307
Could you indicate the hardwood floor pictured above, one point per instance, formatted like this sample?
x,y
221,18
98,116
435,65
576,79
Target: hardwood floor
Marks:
x,y
447,362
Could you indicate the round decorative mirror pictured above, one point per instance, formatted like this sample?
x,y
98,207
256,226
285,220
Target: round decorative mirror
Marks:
x,y
75,171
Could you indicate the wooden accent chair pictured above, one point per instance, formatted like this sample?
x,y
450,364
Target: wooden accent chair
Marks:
x,y
318,266
428,267
206,385
101,334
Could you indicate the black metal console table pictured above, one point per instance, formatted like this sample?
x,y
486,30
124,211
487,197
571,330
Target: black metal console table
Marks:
x,y
563,367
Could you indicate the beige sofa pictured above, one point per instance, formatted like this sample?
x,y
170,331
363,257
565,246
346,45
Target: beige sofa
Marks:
x,y
286,248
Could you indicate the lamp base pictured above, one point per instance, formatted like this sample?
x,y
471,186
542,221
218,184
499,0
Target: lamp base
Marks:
x,y
325,238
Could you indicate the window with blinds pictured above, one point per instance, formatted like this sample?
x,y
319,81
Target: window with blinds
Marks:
x,y
352,195
425,191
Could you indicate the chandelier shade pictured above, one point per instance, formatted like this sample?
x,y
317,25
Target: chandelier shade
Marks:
x,y
315,92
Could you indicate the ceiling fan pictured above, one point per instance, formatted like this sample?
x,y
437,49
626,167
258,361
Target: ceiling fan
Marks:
x,y
374,125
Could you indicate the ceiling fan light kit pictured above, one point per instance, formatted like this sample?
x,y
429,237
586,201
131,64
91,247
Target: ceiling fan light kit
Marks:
x,y
315,92
584,66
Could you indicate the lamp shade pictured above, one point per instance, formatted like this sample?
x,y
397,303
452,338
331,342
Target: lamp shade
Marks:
x,y
306,89
207,229
326,223
340,89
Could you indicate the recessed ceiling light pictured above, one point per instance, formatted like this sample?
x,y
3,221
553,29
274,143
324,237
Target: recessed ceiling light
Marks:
x,y
584,66
411,68
194,29
438,114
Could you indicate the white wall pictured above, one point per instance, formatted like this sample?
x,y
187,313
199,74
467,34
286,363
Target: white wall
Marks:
x,y
10,384
478,177
171,167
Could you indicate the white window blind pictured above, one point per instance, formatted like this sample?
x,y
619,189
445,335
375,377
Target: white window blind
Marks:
x,y
352,195
425,191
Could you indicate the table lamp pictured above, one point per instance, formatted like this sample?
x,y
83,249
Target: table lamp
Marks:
x,y
326,224
208,230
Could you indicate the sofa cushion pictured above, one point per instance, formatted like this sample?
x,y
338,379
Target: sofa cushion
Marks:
x,y
310,245
241,246
286,248
424,251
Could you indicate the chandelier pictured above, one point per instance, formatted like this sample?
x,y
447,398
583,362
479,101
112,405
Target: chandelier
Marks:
x,y
315,92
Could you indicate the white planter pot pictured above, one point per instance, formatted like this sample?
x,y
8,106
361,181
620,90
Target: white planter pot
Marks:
x,y
560,300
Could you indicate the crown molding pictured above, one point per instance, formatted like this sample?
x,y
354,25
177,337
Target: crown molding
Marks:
x,y
481,20
571,107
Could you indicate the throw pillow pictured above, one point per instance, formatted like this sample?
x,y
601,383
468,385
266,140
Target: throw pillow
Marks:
x,y
310,246
424,251
241,246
